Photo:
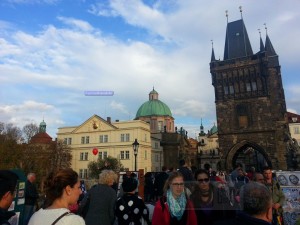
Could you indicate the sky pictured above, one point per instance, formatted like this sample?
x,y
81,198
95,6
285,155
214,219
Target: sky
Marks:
x,y
53,51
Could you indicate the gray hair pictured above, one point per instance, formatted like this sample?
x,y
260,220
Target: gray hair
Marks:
x,y
256,198
107,176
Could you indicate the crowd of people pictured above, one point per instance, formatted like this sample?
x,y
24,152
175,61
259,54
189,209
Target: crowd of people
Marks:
x,y
172,197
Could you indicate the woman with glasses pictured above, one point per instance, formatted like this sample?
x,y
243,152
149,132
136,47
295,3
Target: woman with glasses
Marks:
x,y
174,208
210,202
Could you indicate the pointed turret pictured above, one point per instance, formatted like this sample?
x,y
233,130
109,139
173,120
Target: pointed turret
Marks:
x,y
201,130
262,47
237,43
212,55
269,47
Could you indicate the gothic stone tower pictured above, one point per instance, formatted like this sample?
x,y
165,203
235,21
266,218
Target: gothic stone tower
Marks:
x,y
250,102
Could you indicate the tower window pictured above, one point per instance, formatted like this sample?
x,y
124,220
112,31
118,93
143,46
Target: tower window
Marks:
x,y
248,87
231,89
254,87
226,90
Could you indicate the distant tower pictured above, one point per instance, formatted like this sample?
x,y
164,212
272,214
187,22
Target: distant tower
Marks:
x,y
250,102
43,126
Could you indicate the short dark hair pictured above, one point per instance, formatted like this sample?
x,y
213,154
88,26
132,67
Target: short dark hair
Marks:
x,y
201,171
181,162
256,198
8,182
266,168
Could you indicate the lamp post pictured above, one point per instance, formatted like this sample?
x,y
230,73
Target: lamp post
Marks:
x,y
135,146
199,154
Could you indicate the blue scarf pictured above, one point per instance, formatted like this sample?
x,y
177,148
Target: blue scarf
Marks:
x,y
176,206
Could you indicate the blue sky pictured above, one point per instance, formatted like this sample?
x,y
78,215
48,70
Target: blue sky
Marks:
x,y
51,51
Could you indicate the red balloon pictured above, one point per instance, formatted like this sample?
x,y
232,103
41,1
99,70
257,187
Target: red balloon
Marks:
x,y
95,151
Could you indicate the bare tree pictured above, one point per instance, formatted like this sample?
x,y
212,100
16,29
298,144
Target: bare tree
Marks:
x,y
29,130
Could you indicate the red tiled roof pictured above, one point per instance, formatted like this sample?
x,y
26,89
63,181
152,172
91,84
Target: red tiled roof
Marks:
x,y
41,138
293,118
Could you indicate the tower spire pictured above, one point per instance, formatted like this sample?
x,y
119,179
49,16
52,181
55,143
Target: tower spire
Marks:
x,y
268,44
212,52
241,11
226,14
262,47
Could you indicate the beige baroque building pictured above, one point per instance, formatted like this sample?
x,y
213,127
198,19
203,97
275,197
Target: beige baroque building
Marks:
x,y
111,139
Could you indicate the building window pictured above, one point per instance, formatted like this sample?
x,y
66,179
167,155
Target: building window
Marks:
x,y
100,155
127,137
242,115
145,137
69,141
82,140
156,145
104,155
254,86
65,141
160,125
84,156
122,155
83,173
156,158
145,154
296,130
231,89
226,90
248,87
87,139
103,138
127,154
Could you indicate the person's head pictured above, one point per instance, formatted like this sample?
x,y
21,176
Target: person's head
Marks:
x,y
62,184
238,166
267,172
175,183
202,178
8,182
107,177
181,162
129,185
256,201
240,172
258,177
31,177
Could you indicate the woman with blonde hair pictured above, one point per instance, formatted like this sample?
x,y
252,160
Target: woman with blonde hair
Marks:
x,y
102,199
174,208
62,189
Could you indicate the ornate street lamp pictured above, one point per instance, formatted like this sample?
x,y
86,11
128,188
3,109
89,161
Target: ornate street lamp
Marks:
x,y
135,146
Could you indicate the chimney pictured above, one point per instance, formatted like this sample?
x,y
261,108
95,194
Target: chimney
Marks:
x,y
108,119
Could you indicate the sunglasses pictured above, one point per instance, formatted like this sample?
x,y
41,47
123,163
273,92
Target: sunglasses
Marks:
x,y
178,184
205,180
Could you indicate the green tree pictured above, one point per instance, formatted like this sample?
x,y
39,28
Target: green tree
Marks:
x,y
112,163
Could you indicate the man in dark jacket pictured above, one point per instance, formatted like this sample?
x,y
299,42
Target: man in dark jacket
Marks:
x,y
187,173
256,206
8,182
31,195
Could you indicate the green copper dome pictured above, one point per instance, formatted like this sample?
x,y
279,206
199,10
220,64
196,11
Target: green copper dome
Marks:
x,y
153,107
214,129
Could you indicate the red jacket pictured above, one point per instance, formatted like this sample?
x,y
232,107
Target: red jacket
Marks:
x,y
162,217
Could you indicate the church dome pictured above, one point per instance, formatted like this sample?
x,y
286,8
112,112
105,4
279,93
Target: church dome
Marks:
x,y
153,107
214,129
